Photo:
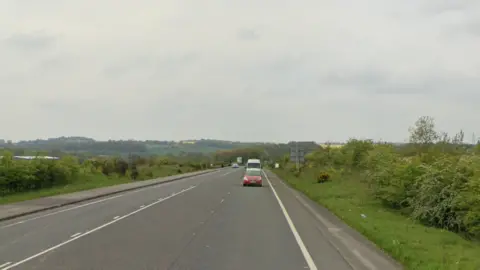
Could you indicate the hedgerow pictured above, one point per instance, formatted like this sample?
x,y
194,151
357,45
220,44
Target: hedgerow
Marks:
x,y
17,175
434,179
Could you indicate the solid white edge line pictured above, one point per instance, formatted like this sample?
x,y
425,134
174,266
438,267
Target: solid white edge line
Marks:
x,y
303,248
5,264
89,232
61,211
116,217
77,234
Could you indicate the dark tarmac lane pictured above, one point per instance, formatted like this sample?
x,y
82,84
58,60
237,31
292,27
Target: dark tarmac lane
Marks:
x,y
207,222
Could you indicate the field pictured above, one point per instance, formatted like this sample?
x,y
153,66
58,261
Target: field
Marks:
x,y
331,145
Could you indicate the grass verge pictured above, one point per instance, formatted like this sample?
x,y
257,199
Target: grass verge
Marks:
x,y
86,182
414,245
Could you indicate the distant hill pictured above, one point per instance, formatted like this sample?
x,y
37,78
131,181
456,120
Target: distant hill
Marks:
x,y
88,146
111,147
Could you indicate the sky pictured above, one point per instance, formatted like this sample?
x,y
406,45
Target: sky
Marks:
x,y
271,70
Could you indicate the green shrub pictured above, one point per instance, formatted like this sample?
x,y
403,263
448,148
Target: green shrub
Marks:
x,y
434,179
323,177
17,176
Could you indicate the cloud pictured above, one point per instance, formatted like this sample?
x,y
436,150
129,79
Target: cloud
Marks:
x,y
239,70
247,34
30,42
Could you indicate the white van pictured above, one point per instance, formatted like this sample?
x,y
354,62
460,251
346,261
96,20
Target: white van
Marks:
x,y
253,164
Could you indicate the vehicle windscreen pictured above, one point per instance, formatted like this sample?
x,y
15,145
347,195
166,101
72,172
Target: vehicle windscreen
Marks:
x,y
254,173
254,165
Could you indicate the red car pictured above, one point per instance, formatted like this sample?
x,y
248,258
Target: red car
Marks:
x,y
252,178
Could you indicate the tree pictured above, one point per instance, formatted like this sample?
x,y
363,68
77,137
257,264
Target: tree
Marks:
x,y
458,138
424,131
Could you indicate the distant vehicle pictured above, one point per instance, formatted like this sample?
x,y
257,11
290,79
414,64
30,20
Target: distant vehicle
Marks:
x,y
252,177
235,165
253,164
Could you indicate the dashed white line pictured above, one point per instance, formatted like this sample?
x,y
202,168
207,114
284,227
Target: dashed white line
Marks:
x,y
5,264
222,201
77,234
303,248
89,232
61,211
97,201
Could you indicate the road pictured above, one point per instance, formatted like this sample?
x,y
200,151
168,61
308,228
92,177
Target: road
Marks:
x,y
204,222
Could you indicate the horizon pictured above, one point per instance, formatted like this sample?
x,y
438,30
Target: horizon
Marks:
x,y
202,139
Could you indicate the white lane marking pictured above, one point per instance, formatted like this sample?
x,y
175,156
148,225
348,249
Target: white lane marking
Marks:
x,y
98,201
90,231
61,211
222,201
183,179
116,217
227,173
5,264
77,234
141,206
303,248
165,183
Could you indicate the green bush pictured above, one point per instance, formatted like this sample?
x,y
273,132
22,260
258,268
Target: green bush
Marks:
x,y
434,179
17,176
323,177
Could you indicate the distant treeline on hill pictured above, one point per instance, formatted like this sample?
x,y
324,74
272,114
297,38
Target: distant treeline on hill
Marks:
x,y
89,146
83,146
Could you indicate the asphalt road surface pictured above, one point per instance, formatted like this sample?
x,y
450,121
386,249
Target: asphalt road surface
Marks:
x,y
207,222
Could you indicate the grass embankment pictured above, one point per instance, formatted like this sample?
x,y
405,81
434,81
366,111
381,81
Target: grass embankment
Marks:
x,y
421,201
22,180
414,245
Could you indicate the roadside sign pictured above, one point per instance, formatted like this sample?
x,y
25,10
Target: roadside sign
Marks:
x,y
297,155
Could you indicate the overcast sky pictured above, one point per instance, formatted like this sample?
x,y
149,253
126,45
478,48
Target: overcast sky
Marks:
x,y
249,70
